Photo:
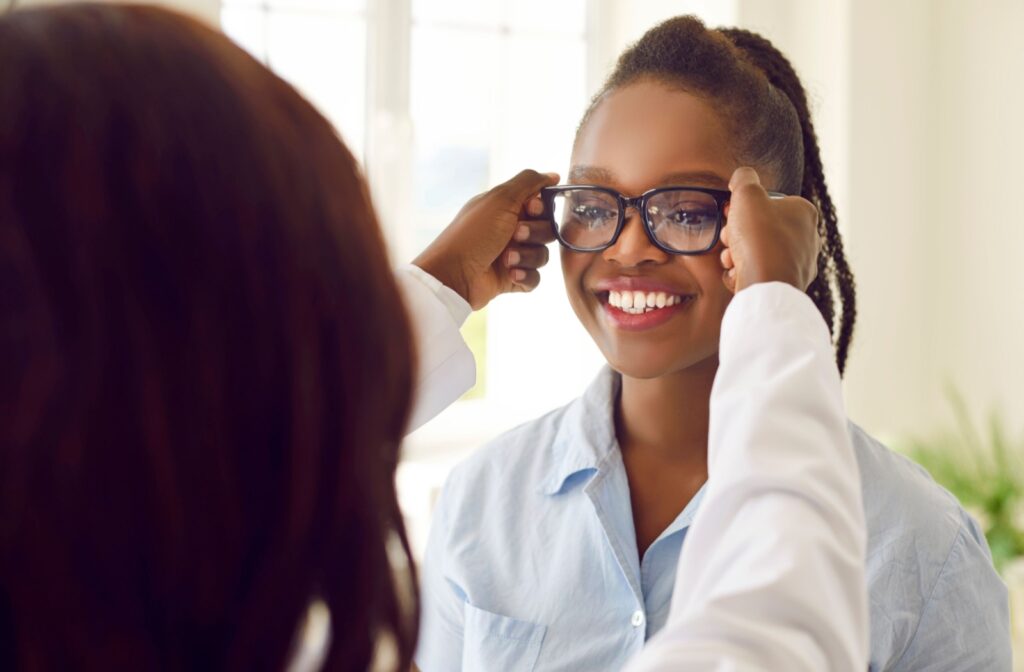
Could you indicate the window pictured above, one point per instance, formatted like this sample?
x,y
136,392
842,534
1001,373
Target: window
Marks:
x,y
442,99
317,45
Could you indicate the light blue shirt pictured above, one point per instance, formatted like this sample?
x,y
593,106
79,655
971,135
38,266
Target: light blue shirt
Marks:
x,y
532,561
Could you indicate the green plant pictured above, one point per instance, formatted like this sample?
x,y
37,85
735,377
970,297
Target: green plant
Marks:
x,y
475,333
986,473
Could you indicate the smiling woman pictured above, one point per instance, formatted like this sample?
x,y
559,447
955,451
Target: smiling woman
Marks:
x,y
556,546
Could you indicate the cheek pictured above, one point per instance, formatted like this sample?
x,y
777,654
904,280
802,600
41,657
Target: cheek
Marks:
x,y
707,269
715,296
574,267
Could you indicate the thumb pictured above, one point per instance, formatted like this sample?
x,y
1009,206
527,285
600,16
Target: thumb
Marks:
x,y
745,185
525,184
744,176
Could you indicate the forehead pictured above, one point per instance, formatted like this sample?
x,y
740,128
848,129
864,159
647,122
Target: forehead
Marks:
x,y
646,132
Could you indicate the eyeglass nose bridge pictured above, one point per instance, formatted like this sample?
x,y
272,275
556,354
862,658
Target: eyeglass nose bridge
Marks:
x,y
636,203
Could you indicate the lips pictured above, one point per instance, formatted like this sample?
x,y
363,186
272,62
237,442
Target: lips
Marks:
x,y
636,304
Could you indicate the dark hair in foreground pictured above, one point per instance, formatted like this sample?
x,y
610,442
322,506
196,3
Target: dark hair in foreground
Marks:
x,y
758,92
205,365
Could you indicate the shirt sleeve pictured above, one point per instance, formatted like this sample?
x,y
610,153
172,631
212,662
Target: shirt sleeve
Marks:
x,y
445,366
774,561
965,622
442,603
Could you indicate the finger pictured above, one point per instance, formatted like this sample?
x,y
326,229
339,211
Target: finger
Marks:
x,y
724,236
524,280
803,208
526,256
743,176
534,208
745,184
525,184
727,261
729,279
534,231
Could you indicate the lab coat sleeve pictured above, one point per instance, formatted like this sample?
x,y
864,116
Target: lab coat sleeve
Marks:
x,y
771,576
445,366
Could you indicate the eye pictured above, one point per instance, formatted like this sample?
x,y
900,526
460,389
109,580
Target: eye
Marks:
x,y
593,213
590,211
685,215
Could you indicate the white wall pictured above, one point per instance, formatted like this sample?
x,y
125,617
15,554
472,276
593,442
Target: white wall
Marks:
x,y
933,220
893,385
975,288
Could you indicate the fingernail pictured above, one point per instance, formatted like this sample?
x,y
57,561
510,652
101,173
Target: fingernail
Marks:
x,y
518,275
513,257
535,207
522,233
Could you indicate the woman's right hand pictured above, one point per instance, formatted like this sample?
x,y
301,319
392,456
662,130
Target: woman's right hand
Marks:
x,y
768,239
494,246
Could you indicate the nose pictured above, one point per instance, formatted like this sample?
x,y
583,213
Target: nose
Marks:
x,y
633,247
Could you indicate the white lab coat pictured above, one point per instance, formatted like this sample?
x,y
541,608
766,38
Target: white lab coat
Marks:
x,y
774,560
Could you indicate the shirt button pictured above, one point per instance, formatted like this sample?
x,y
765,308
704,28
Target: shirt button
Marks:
x,y
638,618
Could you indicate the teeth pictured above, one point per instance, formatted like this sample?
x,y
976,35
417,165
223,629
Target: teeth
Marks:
x,y
635,303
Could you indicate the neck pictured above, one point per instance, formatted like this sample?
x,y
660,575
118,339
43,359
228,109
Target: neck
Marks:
x,y
667,417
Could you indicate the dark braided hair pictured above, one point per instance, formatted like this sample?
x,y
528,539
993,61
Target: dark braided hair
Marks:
x,y
759,93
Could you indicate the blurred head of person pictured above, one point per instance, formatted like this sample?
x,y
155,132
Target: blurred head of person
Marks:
x,y
204,363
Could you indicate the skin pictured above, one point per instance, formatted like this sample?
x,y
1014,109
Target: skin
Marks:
x,y
639,137
493,246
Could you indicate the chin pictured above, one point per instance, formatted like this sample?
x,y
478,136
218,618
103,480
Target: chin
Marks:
x,y
649,366
639,371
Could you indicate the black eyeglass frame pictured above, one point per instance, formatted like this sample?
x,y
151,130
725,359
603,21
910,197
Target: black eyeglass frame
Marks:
x,y
721,196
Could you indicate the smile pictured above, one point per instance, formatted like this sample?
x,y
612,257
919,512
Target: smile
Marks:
x,y
635,310
637,302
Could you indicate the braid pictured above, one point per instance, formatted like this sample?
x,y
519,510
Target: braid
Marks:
x,y
834,272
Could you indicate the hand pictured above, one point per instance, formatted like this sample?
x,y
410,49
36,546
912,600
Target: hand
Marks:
x,y
492,246
766,239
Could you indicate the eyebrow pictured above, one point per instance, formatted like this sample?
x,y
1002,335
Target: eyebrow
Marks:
x,y
706,178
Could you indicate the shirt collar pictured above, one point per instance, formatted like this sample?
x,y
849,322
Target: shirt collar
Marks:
x,y
586,435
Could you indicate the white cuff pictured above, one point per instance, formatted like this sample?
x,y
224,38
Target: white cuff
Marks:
x,y
445,364
456,305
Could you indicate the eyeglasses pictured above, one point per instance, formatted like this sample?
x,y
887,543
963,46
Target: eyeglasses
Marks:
x,y
678,220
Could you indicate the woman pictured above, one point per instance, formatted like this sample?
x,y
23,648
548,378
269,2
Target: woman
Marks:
x,y
567,530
